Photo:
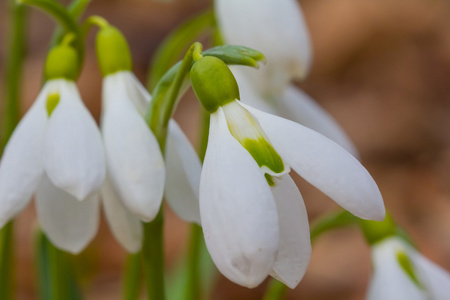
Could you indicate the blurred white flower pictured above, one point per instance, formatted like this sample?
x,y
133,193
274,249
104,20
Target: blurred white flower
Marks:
x,y
252,213
57,151
402,273
136,179
277,29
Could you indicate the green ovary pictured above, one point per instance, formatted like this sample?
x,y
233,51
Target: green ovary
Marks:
x,y
52,102
264,154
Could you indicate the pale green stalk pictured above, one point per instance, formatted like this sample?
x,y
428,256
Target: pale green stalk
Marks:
x,y
10,118
132,279
159,113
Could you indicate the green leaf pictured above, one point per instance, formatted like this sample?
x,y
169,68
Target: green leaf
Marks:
x,y
237,55
175,44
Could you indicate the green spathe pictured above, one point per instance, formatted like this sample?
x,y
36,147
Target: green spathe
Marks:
x,y
213,83
113,53
62,62
375,231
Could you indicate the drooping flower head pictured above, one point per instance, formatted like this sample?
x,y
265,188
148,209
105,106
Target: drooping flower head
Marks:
x,y
402,273
252,213
56,151
137,174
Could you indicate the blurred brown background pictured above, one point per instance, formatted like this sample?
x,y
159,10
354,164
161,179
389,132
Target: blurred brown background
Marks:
x,y
382,68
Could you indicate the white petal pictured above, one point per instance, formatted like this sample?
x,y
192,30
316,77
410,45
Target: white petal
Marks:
x,y
248,93
435,278
21,166
276,28
183,175
136,91
239,215
68,223
125,226
73,150
294,251
133,155
299,107
389,281
324,164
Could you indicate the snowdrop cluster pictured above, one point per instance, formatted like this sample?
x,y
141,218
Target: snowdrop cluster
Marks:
x,y
252,213
59,153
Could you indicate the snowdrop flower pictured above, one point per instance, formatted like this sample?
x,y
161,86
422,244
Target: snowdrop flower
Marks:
x,y
402,273
277,29
56,151
252,213
135,183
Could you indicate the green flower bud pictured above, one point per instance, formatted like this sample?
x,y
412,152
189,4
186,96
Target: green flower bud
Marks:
x,y
62,62
213,83
113,52
375,231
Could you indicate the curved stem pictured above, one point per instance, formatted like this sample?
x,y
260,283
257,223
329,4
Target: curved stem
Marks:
x,y
63,17
76,9
91,21
57,11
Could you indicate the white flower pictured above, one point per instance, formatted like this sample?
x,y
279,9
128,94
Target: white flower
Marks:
x,y
252,229
274,27
425,281
56,149
135,185
277,29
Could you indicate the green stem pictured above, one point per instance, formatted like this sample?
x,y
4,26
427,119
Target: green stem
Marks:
x,y
158,115
6,261
63,17
57,11
276,290
193,285
14,64
10,118
91,21
55,274
132,278
76,9
153,257
336,219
